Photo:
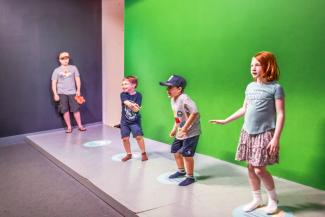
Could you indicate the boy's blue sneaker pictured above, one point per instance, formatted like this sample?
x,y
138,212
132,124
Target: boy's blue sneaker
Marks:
x,y
177,175
187,181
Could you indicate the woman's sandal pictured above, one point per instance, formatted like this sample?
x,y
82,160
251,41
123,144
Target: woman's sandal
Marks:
x,y
68,130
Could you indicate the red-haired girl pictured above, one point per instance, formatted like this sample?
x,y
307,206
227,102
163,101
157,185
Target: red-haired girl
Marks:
x,y
263,108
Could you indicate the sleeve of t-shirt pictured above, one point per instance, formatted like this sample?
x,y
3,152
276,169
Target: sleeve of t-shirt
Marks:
x,y
190,106
76,71
123,97
279,92
246,89
55,74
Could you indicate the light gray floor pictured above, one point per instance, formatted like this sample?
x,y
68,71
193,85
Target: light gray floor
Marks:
x,y
221,187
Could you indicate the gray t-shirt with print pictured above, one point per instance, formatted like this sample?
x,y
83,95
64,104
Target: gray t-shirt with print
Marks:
x,y
65,75
260,113
182,107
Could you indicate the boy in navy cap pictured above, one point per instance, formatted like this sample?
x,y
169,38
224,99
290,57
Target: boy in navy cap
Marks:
x,y
186,129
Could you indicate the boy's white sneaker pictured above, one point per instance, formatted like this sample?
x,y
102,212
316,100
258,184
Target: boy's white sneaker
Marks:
x,y
272,206
252,205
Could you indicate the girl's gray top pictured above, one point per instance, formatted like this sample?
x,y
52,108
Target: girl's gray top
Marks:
x,y
260,113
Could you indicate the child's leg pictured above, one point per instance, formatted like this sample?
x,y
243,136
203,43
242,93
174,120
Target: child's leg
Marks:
x,y
180,165
126,144
66,117
188,151
255,183
179,161
127,148
177,144
77,117
268,182
189,166
254,180
265,176
140,142
74,107
64,109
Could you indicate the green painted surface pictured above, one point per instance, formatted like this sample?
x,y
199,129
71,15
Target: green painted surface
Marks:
x,y
211,44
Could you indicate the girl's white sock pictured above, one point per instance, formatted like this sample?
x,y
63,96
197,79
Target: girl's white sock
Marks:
x,y
256,202
272,204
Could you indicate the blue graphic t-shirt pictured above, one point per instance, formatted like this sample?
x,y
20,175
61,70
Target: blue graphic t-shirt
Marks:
x,y
128,116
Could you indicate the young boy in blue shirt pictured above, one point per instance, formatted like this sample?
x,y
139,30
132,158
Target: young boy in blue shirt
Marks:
x,y
186,128
130,119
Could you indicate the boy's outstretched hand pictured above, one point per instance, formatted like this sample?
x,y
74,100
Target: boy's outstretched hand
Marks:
x,y
217,121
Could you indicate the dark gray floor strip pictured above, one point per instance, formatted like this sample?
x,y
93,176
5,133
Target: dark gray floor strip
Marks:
x,y
85,182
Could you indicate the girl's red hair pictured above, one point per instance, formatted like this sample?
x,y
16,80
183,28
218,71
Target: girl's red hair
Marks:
x,y
270,67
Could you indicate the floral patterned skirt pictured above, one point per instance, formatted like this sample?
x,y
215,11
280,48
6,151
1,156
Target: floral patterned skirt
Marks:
x,y
252,149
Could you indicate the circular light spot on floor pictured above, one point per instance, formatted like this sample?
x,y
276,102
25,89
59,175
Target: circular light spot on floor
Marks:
x,y
97,143
118,157
163,178
260,212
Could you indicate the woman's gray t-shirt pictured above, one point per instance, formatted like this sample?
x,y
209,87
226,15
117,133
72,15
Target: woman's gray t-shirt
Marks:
x,y
260,113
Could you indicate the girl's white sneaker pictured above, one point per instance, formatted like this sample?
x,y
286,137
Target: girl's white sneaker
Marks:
x,y
252,205
272,207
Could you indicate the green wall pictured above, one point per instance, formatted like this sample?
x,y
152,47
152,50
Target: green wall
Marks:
x,y
211,43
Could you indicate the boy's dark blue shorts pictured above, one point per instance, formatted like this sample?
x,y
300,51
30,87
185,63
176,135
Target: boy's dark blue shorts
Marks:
x,y
68,103
126,129
185,147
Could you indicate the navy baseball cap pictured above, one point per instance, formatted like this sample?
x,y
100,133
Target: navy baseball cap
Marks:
x,y
174,81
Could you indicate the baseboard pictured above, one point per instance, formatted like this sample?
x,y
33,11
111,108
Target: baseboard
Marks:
x,y
11,140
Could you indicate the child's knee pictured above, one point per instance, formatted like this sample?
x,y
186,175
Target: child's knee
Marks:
x,y
188,159
250,168
260,171
139,138
125,139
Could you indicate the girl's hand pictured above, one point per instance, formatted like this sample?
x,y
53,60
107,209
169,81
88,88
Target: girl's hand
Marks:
x,y
56,97
273,147
217,121
172,133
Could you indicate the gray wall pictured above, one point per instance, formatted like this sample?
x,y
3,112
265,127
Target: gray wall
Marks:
x,y
31,35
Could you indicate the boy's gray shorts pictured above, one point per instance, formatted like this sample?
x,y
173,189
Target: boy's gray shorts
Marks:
x,y
68,103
